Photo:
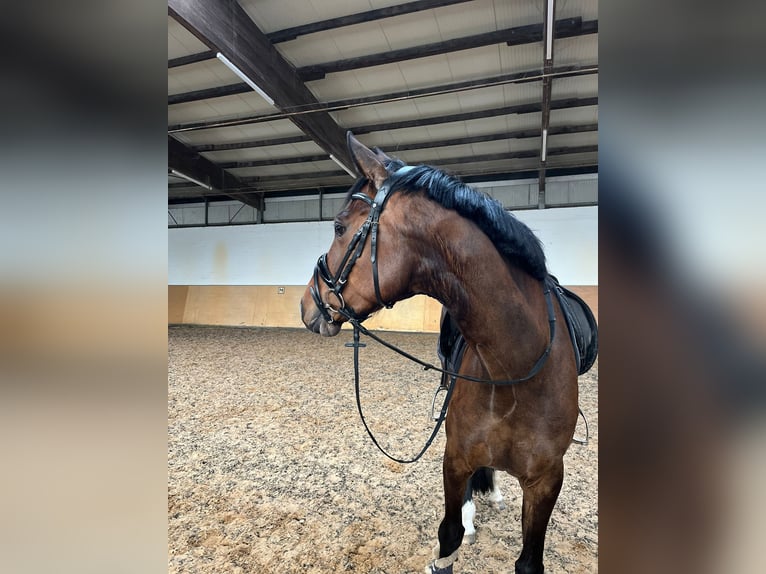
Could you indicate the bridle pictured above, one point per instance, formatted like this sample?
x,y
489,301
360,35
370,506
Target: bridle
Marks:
x,y
336,283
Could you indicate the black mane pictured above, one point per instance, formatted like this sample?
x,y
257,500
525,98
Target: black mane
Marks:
x,y
513,239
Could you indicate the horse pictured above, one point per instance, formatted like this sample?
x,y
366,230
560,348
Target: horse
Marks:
x,y
407,230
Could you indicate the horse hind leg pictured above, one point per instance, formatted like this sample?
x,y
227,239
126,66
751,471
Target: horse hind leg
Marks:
x,y
468,513
482,481
496,499
540,497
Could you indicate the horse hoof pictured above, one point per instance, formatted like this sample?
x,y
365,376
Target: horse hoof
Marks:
x,y
432,568
441,565
469,538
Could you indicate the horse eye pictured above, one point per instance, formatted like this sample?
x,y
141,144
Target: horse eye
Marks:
x,y
339,229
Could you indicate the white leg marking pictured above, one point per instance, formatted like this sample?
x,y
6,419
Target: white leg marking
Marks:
x,y
469,511
496,497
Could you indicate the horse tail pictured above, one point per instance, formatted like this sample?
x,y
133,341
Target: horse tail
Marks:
x,y
482,481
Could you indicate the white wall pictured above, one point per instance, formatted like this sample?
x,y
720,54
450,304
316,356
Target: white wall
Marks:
x,y
570,237
285,253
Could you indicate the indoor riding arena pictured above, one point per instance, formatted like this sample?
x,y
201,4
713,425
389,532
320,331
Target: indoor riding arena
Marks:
x,y
270,468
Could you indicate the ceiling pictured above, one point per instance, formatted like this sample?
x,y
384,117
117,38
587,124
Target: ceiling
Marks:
x,y
467,86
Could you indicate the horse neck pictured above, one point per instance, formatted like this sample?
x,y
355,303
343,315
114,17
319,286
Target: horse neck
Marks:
x,y
499,308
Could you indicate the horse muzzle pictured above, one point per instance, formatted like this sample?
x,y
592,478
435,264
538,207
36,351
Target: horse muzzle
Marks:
x,y
315,322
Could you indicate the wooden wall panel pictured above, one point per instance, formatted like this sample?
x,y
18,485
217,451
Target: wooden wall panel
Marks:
x,y
274,309
407,315
264,306
177,303
219,305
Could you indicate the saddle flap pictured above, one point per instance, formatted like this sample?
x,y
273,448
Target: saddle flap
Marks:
x,y
581,323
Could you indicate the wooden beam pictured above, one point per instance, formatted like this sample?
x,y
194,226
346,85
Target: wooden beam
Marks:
x,y
225,27
518,134
274,161
189,162
315,176
191,59
530,174
311,190
208,93
343,104
511,36
256,143
522,154
493,112
358,18
467,116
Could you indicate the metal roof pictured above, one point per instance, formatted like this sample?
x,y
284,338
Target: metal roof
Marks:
x,y
462,85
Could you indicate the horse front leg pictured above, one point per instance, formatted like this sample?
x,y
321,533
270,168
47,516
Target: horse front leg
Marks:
x,y
540,495
451,529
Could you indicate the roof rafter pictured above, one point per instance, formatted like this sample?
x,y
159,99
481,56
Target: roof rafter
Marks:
x,y
337,105
191,59
190,163
330,24
522,154
309,190
478,114
365,129
225,27
511,36
208,93
519,134
358,18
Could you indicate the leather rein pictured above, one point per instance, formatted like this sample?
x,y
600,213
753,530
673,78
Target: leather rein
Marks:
x,y
336,283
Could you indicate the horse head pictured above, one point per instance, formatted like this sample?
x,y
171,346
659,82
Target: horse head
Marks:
x,y
365,267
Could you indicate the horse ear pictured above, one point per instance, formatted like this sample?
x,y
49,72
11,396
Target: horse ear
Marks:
x,y
381,156
367,162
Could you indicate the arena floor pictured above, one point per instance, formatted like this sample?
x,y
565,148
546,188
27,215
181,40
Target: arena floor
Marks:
x,y
270,469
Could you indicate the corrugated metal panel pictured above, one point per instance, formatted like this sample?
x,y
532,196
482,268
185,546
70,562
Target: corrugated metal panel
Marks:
x,y
200,76
262,130
574,116
576,87
181,42
291,210
261,153
580,50
271,15
227,107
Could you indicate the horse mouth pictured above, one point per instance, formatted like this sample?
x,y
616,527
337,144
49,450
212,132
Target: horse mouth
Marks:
x,y
317,324
328,329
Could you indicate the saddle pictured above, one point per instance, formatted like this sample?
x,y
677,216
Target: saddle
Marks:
x,y
581,325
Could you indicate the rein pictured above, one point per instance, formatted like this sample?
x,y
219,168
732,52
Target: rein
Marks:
x,y
336,283
453,376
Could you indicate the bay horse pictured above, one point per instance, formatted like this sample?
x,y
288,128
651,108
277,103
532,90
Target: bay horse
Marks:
x,y
431,234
